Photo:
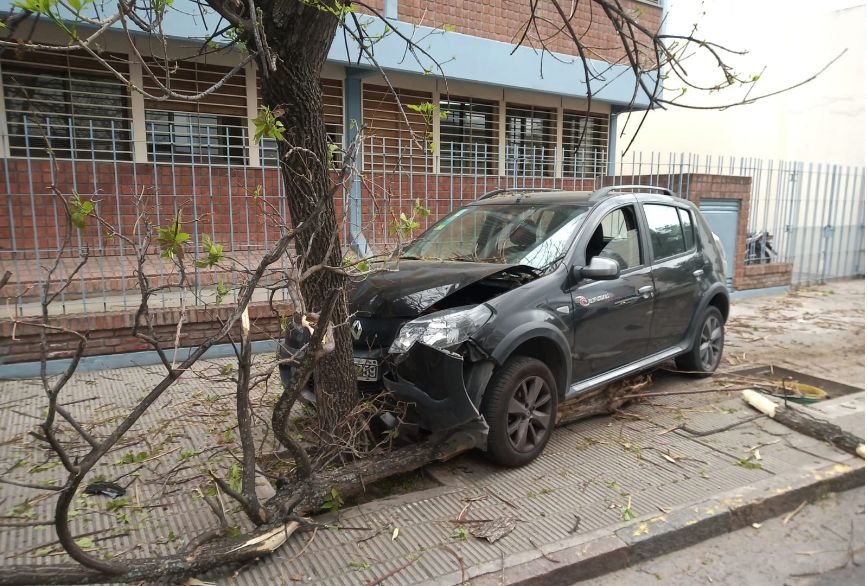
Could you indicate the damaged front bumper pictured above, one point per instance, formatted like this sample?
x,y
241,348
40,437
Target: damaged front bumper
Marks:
x,y
444,386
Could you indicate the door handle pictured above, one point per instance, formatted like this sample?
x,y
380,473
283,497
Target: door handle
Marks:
x,y
698,274
646,291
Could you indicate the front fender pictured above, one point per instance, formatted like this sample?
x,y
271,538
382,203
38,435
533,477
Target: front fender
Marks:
x,y
528,331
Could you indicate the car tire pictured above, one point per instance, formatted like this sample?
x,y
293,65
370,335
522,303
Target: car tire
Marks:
x,y
704,357
520,407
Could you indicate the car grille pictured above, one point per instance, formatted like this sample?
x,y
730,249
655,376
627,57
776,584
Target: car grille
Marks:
x,y
375,332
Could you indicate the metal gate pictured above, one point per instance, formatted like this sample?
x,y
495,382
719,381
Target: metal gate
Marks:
x,y
722,215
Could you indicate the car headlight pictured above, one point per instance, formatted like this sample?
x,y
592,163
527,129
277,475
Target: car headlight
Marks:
x,y
441,329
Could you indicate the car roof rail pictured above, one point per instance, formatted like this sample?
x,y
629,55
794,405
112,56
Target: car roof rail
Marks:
x,y
604,191
500,190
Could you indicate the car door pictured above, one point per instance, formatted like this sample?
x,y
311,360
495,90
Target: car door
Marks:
x,y
612,317
677,269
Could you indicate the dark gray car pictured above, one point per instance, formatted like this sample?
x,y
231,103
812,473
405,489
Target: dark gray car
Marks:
x,y
524,299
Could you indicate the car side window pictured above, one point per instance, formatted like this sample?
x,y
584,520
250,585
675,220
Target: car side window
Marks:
x,y
688,228
666,233
616,237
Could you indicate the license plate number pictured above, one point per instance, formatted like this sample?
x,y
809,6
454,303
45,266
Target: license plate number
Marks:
x,y
366,369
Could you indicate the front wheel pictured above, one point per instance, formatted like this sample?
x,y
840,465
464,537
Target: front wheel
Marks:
x,y
520,407
707,347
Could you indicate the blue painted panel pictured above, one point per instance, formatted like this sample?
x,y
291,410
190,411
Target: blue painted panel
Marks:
x,y
463,57
722,215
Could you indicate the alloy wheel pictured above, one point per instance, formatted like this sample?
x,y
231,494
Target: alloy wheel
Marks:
x,y
529,414
710,346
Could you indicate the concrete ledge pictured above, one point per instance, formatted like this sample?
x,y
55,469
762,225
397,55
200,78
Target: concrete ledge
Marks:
x,y
25,370
747,293
609,550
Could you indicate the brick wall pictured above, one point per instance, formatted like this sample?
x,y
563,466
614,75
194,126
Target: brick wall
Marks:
x,y
111,333
504,20
766,275
219,201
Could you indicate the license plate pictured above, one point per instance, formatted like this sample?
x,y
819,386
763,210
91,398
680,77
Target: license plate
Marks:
x,y
366,369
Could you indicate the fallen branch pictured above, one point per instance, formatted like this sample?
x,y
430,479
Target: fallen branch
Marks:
x,y
225,552
601,401
806,424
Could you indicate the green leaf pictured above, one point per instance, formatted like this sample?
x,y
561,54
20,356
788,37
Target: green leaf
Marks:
x,y
627,514
234,478
213,251
227,369
447,28
749,464
359,566
222,291
333,501
37,6
170,240
117,504
84,542
267,125
332,150
79,210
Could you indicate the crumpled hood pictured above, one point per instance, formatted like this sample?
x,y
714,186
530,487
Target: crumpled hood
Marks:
x,y
416,285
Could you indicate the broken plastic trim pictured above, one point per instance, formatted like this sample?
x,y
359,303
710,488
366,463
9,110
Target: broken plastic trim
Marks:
x,y
436,373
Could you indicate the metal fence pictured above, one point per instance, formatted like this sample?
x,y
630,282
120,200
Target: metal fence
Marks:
x,y
814,213
810,215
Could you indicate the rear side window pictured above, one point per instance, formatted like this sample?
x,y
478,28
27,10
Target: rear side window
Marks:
x,y
688,228
666,234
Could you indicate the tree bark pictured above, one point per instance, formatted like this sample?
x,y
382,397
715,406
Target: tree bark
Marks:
x,y
299,36
805,423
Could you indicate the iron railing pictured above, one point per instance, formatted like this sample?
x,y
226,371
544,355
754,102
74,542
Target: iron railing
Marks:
x,y
814,212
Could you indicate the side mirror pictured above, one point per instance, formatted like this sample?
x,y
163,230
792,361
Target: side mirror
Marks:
x,y
599,269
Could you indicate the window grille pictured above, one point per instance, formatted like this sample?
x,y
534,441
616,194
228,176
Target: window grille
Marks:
x,y
469,136
389,145
66,104
530,141
585,152
212,130
180,137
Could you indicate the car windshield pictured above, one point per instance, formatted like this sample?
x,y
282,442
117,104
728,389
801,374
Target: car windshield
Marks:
x,y
534,235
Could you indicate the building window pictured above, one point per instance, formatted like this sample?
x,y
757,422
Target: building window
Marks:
x,y
212,130
76,115
181,137
585,144
389,145
469,132
530,141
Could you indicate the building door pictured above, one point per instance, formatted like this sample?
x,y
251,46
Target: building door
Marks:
x,y
723,215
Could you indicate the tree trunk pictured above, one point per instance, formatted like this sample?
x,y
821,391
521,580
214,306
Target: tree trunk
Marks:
x,y
299,36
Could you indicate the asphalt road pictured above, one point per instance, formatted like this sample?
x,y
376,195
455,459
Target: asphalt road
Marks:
x,y
823,544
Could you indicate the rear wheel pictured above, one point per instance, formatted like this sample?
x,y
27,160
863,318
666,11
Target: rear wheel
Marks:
x,y
707,347
520,407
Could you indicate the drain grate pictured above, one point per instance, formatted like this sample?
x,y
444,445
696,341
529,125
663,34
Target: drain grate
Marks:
x,y
833,388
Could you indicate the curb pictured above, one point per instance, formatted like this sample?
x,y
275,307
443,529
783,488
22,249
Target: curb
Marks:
x,y
605,551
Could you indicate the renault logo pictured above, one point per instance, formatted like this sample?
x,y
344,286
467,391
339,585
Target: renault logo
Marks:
x,y
355,330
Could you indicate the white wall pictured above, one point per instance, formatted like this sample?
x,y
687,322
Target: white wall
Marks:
x,y
791,40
